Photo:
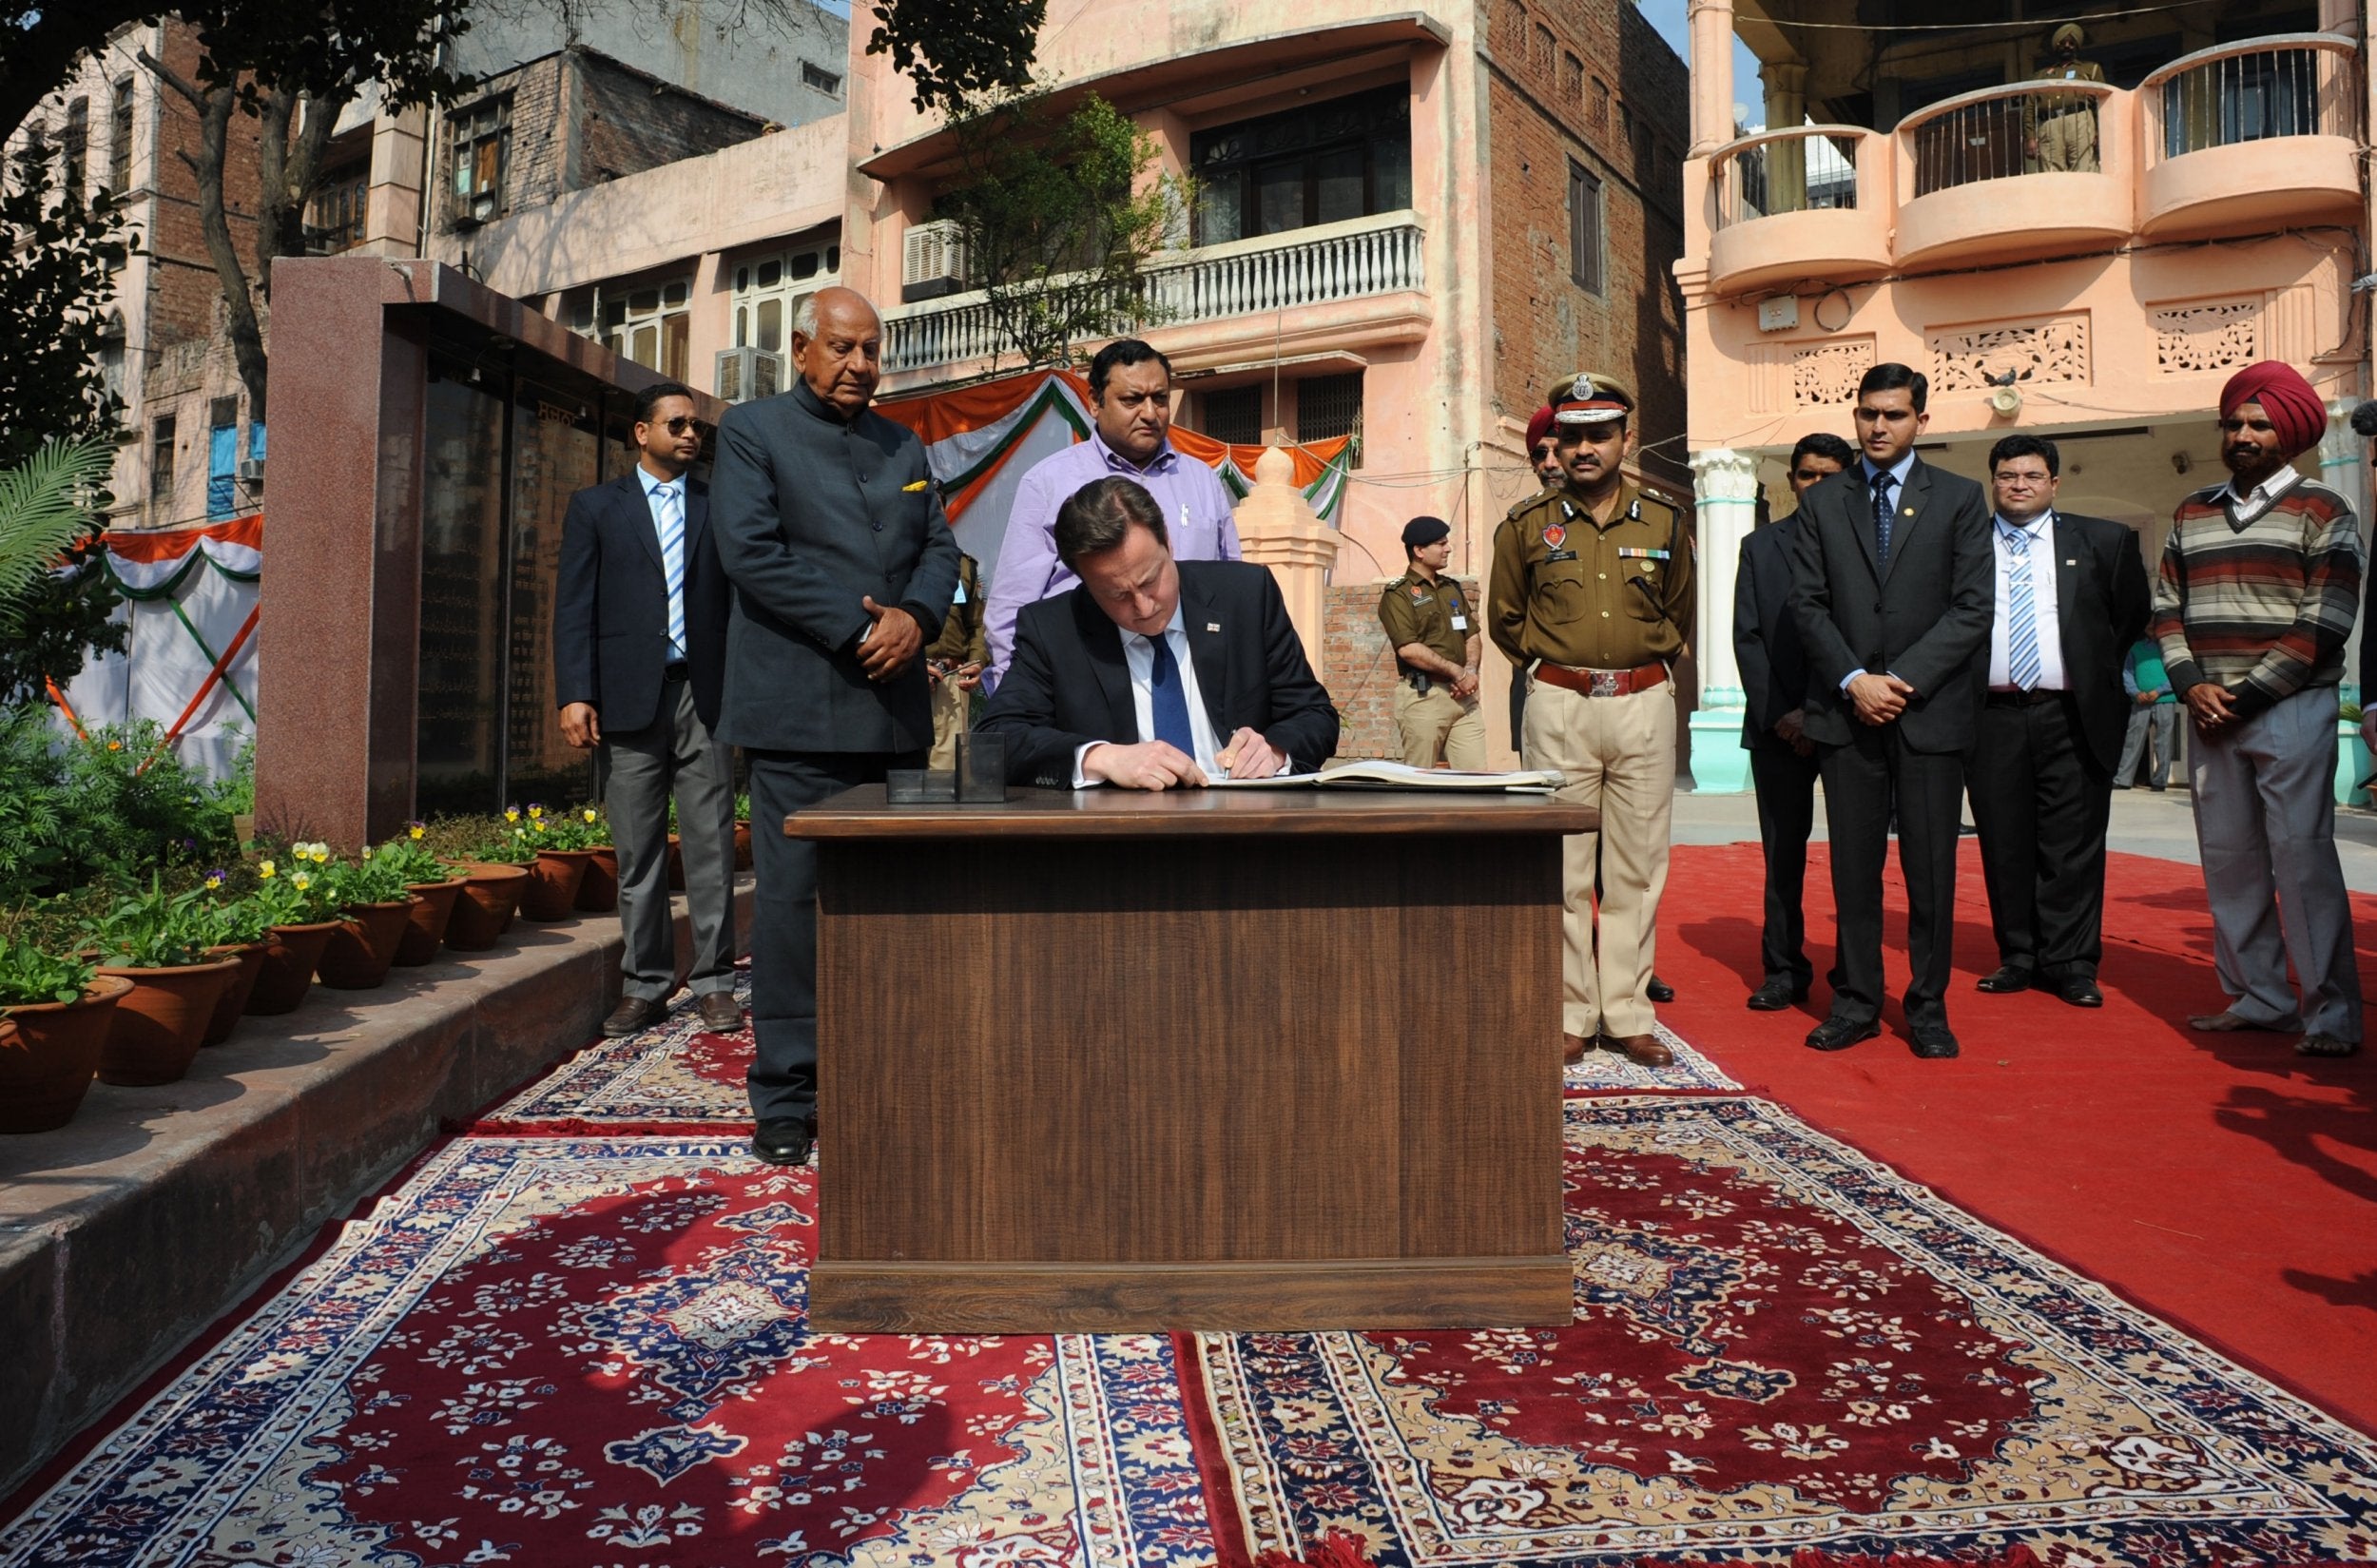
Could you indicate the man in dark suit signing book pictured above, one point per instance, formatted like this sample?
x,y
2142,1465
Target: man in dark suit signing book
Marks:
x,y
843,566
1155,674
1890,585
639,657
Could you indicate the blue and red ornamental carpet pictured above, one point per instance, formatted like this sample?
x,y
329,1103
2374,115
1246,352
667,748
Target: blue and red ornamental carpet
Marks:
x,y
575,1337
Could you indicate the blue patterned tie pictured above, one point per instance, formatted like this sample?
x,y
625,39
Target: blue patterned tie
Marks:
x,y
1882,483
1168,704
2021,613
668,508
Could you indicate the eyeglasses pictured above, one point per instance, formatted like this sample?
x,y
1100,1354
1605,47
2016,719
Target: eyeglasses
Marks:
x,y
682,423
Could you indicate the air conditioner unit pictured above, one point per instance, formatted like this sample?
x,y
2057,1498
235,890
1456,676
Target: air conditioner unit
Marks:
x,y
251,471
932,262
745,374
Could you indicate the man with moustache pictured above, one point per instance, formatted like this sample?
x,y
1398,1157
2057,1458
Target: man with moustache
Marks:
x,y
2253,604
1782,758
844,566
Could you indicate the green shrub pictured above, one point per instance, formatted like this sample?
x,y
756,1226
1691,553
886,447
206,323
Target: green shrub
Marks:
x,y
29,974
153,929
33,819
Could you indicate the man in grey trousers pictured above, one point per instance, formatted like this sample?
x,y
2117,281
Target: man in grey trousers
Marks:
x,y
639,659
843,568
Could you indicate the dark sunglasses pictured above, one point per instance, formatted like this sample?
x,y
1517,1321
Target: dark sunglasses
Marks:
x,y
682,423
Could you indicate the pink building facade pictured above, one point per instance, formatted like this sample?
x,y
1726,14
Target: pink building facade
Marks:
x,y
1898,206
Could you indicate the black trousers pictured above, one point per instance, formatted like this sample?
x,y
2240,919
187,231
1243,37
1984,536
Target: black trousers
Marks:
x,y
783,920
1875,774
2042,802
1785,782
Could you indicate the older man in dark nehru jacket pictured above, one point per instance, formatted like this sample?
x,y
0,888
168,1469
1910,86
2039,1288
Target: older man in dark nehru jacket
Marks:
x,y
831,531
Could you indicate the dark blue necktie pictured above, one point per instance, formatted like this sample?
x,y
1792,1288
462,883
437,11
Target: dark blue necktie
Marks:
x,y
1167,702
1882,483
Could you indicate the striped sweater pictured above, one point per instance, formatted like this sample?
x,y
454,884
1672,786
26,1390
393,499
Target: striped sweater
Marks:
x,y
2261,608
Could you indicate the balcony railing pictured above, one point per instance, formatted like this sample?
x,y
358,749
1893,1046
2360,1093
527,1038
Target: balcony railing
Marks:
x,y
1246,276
2296,84
2025,127
1809,168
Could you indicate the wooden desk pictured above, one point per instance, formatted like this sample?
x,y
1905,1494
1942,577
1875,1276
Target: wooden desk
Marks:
x,y
1201,1059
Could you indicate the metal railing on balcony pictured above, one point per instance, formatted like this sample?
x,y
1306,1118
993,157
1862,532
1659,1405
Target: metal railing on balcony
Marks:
x,y
2296,84
1810,169
1997,133
1280,272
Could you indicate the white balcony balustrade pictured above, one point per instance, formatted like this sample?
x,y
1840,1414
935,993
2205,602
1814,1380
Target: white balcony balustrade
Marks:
x,y
1797,204
2258,130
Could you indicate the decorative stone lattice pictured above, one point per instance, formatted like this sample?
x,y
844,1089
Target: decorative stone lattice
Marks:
x,y
1975,359
2213,336
1828,373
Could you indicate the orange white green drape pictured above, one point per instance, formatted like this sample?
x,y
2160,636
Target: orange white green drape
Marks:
x,y
982,439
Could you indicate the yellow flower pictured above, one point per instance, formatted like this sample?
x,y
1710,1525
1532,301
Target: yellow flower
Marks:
x,y
300,881
512,813
535,812
540,824
264,869
417,830
322,856
590,813
367,852
115,746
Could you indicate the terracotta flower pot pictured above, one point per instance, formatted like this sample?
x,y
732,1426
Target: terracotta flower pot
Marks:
x,y
234,1000
676,863
49,1054
287,974
598,890
425,928
362,946
742,846
160,1021
551,889
490,892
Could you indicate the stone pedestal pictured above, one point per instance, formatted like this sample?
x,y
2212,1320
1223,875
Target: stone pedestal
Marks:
x,y
1727,486
1277,527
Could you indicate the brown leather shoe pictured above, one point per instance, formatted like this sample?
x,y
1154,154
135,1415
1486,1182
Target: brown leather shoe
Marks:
x,y
1572,1050
721,1014
1642,1049
633,1017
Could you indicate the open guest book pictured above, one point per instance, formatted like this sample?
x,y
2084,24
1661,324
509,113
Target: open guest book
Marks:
x,y
1385,775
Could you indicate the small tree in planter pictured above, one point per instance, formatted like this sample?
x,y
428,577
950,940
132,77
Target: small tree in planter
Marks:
x,y
158,940
54,1017
374,906
294,898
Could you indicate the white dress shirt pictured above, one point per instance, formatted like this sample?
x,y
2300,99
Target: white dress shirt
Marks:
x,y
2039,532
1139,653
2255,501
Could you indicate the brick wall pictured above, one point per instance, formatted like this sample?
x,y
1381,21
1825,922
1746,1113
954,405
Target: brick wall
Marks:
x,y
629,126
1358,666
1592,83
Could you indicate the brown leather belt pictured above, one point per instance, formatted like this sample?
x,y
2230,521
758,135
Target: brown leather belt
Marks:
x,y
1603,683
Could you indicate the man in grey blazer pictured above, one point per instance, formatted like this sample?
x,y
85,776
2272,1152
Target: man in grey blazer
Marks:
x,y
831,531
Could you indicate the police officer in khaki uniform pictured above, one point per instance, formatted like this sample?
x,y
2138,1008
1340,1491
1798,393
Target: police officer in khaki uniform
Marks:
x,y
955,663
1591,597
1431,624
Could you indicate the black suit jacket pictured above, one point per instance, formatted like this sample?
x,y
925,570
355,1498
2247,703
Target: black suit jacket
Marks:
x,y
1069,685
2100,605
1925,619
1765,639
611,605
812,514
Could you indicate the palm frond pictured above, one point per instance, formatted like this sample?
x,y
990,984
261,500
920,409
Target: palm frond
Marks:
x,y
41,512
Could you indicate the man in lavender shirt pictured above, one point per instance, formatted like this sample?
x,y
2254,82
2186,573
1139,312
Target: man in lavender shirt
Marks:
x,y
1130,390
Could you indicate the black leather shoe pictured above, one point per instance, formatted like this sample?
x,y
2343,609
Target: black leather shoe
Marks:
x,y
1775,995
1659,991
1839,1033
2080,991
1933,1041
2004,981
786,1142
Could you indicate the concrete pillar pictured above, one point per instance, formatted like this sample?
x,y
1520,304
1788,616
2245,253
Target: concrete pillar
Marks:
x,y
1726,483
1711,25
392,206
2340,16
1786,162
1277,527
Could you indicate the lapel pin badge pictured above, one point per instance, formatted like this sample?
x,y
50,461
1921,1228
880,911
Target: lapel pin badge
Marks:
x,y
1214,625
1910,511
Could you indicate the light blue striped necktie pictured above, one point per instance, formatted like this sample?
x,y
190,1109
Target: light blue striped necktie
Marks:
x,y
2021,610
668,514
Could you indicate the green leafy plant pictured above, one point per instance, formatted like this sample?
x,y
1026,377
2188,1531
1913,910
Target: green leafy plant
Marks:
x,y
298,891
409,856
367,879
743,809
33,856
131,804
236,795
152,929
578,827
30,975
505,844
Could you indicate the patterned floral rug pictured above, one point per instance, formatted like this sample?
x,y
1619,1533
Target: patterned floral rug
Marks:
x,y
1779,1346
1604,1071
553,1352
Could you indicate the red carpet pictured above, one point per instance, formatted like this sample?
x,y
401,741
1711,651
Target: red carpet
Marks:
x,y
2221,1180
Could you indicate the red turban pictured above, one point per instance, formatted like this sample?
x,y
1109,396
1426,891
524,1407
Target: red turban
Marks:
x,y
1538,426
2293,409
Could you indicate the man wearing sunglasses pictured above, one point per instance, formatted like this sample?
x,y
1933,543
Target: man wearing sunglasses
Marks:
x,y
639,661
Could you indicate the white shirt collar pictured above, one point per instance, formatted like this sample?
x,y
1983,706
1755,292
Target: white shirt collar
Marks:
x,y
1897,470
2268,491
653,484
2036,528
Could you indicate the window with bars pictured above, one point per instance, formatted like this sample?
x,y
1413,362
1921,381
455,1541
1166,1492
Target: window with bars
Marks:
x,y
161,437
1346,158
1572,80
333,216
1232,415
77,149
1599,109
1539,56
769,290
652,326
819,79
1584,228
120,136
1330,406
481,150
